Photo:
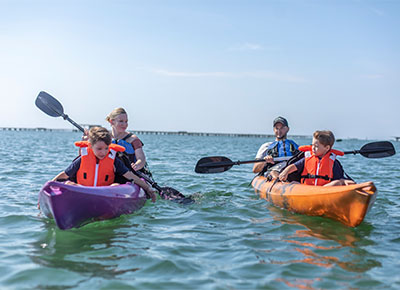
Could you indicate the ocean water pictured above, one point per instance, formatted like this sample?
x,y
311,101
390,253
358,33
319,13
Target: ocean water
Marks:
x,y
227,239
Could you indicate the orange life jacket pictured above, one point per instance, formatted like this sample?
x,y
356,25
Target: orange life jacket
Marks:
x,y
318,171
94,172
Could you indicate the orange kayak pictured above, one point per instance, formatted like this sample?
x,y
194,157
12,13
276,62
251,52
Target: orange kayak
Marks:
x,y
347,204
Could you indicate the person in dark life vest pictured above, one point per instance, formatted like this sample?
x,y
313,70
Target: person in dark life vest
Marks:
x,y
118,119
319,165
281,147
97,165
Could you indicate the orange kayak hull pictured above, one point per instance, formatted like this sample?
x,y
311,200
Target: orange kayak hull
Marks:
x,y
347,204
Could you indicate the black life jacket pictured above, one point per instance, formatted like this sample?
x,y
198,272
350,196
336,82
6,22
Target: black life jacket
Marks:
x,y
282,148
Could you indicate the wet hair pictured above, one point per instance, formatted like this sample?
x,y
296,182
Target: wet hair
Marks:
x,y
97,134
115,113
325,137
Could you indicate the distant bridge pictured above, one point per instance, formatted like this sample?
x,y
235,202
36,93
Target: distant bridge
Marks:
x,y
33,129
186,133
149,132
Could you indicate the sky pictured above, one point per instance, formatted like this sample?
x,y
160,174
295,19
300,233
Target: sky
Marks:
x,y
224,66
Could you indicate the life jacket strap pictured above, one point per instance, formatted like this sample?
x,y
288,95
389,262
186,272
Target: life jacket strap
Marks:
x,y
312,176
123,139
127,136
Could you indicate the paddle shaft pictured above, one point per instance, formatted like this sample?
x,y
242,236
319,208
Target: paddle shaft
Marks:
x,y
65,117
148,180
278,159
376,150
218,164
224,163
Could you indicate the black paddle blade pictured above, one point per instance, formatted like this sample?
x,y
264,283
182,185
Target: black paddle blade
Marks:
x,y
49,105
378,149
166,192
172,194
213,164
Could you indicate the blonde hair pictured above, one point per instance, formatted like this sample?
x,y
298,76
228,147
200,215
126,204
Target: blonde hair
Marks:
x,y
325,137
97,134
115,113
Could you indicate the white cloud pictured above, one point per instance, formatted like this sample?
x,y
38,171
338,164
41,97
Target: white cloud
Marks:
x,y
168,73
247,46
373,76
377,11
252,74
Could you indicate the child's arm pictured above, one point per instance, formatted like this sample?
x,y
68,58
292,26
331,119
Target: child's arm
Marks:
x,y
130,176
61,175
284,174
71,170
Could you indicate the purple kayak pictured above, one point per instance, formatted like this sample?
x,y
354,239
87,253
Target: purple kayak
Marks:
x,y
72,206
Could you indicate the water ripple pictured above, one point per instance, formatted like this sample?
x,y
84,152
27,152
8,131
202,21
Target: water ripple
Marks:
x,y
228,238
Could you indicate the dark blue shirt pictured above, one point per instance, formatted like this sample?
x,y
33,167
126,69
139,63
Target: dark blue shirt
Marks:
x,y
338,172
72,169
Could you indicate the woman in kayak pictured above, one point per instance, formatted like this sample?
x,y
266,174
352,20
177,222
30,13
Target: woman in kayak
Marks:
x,y
319,165
136,158
98,165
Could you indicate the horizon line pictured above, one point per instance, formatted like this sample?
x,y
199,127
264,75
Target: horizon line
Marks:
x,y
184,132
159,132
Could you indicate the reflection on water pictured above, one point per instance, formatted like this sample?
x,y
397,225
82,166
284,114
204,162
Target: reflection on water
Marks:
x,y
90,251
321,228
300,283
228,239
320,242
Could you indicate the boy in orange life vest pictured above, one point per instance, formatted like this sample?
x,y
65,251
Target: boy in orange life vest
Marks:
x,y
319,165
97,164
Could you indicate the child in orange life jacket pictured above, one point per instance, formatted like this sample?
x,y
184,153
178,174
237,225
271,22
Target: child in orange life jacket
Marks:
x,y
97,164
319,165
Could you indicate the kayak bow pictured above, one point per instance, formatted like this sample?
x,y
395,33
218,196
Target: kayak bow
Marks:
x,y
347,204
73,206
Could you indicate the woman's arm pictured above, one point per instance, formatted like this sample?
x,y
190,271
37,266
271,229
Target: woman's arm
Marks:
x,y
139,153
141,159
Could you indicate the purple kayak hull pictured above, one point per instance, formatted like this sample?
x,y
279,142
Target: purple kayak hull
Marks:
x,y
72,206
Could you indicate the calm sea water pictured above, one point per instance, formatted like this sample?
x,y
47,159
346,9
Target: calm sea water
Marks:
x,y
228,239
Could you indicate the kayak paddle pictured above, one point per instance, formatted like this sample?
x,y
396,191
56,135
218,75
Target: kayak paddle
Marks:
x,y
217,164
166,192
378,149
52,107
